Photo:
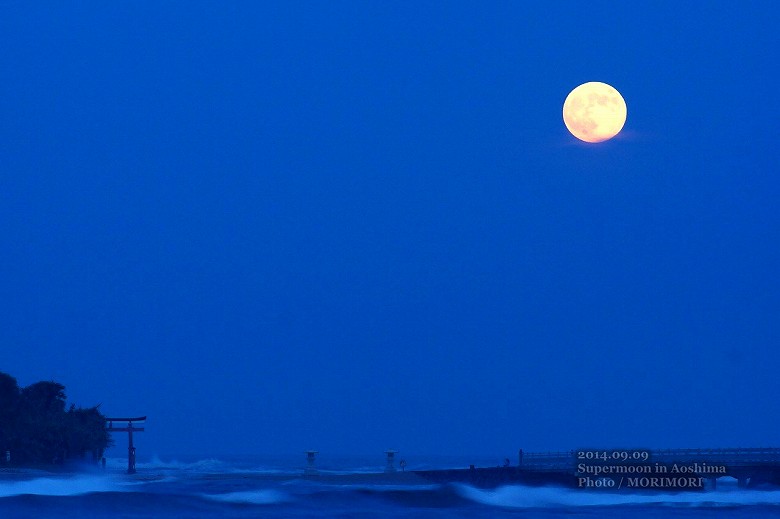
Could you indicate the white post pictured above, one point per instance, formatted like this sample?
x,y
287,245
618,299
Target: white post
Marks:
x,y
390,467
310,468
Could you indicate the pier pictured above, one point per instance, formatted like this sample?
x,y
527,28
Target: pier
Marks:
x,y
749,466
611,469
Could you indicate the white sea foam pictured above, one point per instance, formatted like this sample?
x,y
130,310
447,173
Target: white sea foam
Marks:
x,y
204,466
551,497
61,486
257,497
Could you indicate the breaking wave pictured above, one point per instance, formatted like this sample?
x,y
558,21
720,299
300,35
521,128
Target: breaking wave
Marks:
x,y
553,497
57,486
255,497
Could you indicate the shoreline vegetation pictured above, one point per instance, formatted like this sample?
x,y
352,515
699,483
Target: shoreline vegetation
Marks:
x,y
37,432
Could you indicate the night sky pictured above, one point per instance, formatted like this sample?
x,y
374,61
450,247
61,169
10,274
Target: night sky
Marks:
x,y
350,226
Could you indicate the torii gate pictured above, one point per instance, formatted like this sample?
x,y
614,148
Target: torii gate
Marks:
x,y
129,429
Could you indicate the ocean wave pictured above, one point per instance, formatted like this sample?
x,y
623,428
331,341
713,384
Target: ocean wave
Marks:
x,y
372,487
66,486
414,495
203,466
255,497
553,497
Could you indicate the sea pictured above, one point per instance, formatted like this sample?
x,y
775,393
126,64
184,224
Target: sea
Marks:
x,y
276,487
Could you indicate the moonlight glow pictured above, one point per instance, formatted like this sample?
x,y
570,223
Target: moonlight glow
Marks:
x,y
594,112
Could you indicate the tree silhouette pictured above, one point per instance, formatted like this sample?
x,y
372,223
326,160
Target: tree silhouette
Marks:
x,y
35,427
9,402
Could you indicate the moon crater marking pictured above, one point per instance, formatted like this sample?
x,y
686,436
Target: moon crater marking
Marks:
x,y
594,112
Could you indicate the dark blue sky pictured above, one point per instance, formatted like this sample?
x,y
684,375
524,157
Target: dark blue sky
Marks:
x,y
361,225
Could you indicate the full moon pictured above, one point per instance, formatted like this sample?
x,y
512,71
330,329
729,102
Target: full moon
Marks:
x,y
594,112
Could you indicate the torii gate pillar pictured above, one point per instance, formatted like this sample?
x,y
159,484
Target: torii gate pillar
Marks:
x,y
129,429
